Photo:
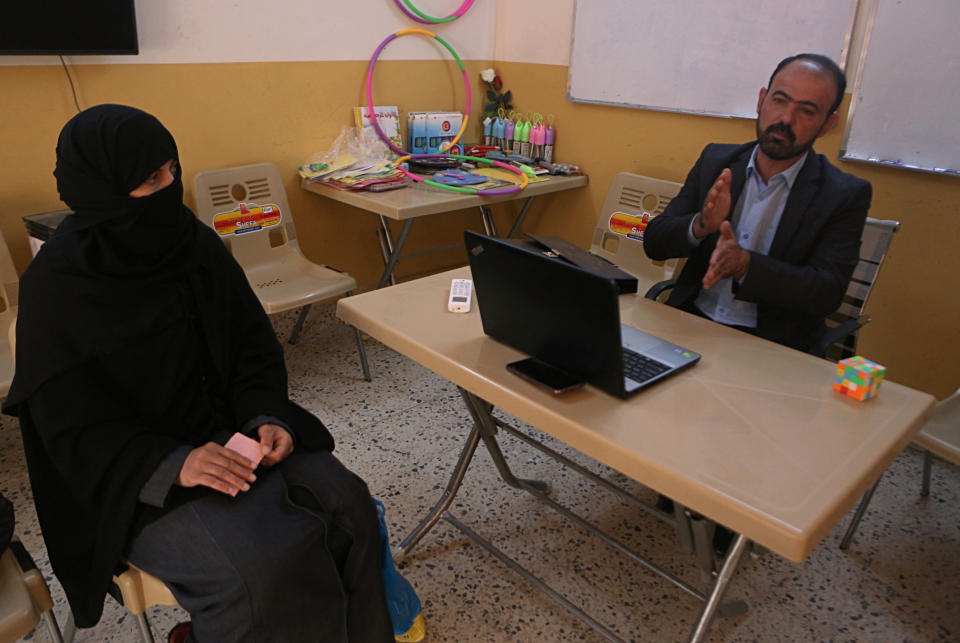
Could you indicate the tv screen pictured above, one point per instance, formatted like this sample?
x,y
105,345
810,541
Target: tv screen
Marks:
x,y
61,27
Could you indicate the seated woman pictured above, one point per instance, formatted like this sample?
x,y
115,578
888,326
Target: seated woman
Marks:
x,y
141,350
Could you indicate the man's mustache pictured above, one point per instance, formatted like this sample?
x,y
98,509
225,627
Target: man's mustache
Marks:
x,y
782,128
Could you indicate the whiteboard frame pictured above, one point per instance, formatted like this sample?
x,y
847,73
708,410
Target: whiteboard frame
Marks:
x,y
843,155
844,56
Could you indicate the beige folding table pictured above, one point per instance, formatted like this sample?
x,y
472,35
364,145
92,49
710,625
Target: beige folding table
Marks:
x,y
410,203
752,437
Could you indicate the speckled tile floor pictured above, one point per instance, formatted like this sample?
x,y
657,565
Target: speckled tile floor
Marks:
x,y
900,580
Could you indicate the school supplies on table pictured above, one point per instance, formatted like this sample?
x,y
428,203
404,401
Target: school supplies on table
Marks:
x,y
388,118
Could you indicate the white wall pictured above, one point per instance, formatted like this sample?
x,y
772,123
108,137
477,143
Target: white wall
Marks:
x,y
215,31
534,31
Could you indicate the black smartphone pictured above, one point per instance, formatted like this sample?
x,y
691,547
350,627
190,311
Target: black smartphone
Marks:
x,y
544,375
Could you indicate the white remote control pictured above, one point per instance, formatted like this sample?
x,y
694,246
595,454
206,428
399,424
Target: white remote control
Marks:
x,y
461,296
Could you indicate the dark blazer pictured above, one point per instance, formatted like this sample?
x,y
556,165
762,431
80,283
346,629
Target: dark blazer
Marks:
x,y
814,251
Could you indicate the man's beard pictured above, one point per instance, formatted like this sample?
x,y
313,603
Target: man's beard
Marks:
x,y
781,150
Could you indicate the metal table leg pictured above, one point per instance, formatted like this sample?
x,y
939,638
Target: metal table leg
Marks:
x,y
485,428
489,228
720,585
858,515
394,247
523,215
456,479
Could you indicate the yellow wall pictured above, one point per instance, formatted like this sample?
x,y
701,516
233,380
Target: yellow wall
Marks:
x,y
230,114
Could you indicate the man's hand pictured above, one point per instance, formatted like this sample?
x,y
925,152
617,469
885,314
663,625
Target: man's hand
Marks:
x,y
217,467
716,207
728,258
275,443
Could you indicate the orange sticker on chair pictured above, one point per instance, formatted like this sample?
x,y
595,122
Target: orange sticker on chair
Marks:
x,y
249,217
630,225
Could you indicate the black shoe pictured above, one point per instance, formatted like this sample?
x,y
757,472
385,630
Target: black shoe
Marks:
x,y
664,504
722,537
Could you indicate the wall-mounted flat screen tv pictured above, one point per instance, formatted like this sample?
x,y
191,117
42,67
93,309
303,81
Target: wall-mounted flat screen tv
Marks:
x,y
68,27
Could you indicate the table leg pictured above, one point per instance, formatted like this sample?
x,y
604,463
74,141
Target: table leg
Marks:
x,y
523,215
720,585
456,479
858,515
489,228
386,247
480,412
394,247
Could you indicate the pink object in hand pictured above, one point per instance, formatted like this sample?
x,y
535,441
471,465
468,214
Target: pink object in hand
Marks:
x,y
247,447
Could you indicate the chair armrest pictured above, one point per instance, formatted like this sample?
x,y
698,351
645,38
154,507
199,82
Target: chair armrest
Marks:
x,y
819,348
657,289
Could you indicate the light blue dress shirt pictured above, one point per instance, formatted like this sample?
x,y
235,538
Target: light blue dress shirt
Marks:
x,y
755,221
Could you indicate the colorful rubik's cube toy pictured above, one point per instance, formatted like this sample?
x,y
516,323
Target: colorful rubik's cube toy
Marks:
x,y
859,377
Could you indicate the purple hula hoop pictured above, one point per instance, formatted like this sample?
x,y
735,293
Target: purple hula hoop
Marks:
x,y
459,12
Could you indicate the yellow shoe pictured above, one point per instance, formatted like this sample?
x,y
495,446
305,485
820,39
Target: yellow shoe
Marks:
x,y
416,632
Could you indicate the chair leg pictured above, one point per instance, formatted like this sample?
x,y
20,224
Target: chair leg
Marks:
x,y
295,334
927,463
70,629
52,627
146,635
861,509
363,354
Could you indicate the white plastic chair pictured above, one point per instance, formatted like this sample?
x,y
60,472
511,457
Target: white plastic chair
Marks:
x,y
940,436
247,206
9,289
632,195
24,596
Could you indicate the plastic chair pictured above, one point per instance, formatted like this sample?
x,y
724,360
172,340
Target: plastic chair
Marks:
x,y
137,591
940,436
248,207
633,195
140,591
839,341
9,289
24,596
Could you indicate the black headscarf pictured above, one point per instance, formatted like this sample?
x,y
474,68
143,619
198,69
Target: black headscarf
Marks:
x,y
117,275
116,257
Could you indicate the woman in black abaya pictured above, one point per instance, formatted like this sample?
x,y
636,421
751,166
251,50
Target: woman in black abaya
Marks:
x,y
140,350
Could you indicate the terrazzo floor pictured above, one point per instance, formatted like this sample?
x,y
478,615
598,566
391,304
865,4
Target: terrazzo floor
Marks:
x,y
899,581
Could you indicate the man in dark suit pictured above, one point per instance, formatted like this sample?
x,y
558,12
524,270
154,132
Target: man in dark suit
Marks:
x,y
772,229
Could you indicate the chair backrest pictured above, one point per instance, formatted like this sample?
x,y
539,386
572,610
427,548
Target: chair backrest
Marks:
x,y
876,239
242,204
629,197
9,290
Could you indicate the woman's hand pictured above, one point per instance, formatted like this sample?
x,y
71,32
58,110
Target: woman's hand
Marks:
x,y
275,444
217,467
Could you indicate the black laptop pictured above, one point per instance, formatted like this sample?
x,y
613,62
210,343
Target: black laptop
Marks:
x,y
565,316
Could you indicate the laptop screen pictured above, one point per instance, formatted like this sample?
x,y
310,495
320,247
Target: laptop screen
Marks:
x,y
548,308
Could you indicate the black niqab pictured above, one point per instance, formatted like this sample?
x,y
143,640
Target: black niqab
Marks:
x,y
115,258
117,275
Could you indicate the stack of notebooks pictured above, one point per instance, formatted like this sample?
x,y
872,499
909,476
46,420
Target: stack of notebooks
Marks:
x,y
347,173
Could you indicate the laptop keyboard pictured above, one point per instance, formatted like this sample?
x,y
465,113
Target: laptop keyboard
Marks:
x,y
641,368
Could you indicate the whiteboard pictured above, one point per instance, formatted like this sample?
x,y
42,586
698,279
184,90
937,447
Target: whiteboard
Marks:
x,y
696,56
903,112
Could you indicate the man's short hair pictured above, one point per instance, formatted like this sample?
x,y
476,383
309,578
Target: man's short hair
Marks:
x,y
827,65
